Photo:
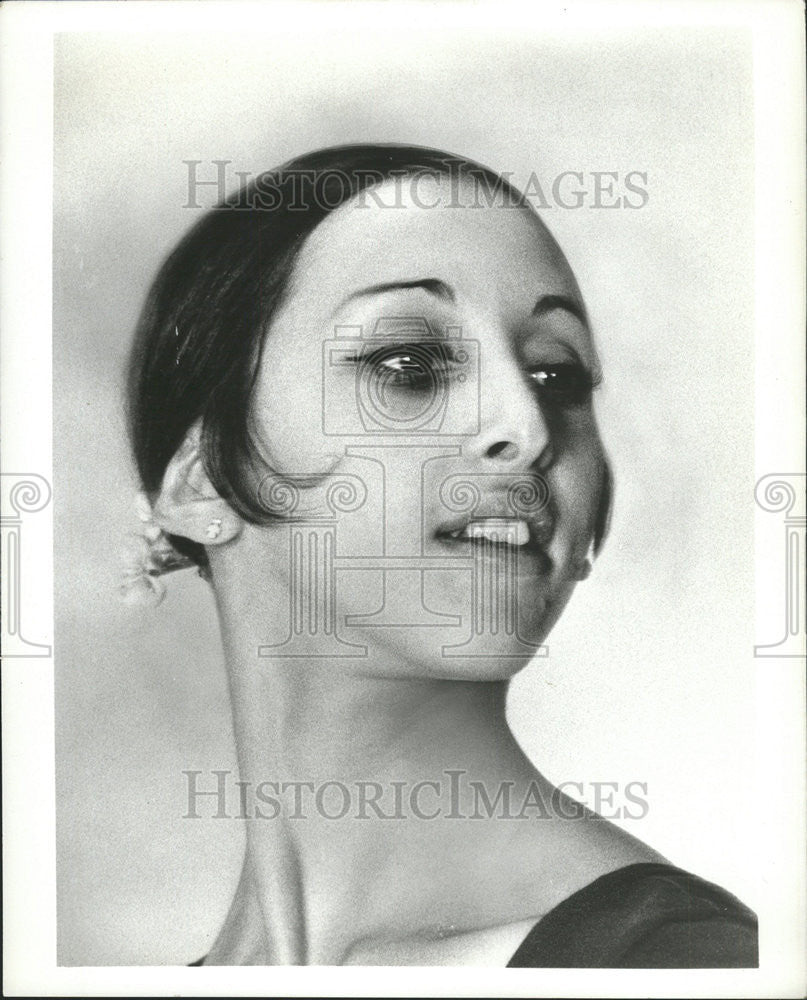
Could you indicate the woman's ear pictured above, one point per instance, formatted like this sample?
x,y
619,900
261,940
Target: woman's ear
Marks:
x,y
188,504
603,520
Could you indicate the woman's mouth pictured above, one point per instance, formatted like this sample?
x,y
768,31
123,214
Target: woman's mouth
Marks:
x,y
499,535
496,530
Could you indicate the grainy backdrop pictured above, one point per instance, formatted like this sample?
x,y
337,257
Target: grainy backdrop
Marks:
x,y
649,676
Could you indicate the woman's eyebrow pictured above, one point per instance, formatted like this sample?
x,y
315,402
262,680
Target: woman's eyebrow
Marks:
x,y
548,303
438,288
434,286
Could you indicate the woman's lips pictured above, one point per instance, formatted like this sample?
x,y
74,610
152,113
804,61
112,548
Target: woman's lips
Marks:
x,y
496,530
500,536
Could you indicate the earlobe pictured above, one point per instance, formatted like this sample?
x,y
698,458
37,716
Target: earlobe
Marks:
x,y
188,504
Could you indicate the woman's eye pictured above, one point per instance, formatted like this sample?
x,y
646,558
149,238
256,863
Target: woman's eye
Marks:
x,y
568,384
404,371
416,367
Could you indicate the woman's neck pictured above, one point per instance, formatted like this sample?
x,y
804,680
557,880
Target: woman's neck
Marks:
x,y
358,789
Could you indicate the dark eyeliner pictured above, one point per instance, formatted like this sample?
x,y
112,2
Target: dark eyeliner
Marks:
x,y
425,363
569,383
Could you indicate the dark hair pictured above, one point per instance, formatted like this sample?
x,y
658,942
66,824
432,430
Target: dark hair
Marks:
x,y
199,339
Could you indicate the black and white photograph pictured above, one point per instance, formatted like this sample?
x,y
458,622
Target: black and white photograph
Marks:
x,y
404,498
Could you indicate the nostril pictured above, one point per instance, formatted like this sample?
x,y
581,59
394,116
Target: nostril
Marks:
x,y
502,449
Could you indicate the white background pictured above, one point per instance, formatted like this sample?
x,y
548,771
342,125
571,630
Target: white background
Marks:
x,y
651,675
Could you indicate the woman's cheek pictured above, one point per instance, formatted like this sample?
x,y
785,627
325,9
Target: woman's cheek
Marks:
x,y
577,483
287,423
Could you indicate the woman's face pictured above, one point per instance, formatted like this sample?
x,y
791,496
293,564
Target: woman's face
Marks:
x,y
432,353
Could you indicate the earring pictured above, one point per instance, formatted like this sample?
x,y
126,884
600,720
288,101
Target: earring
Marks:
x,y
213,530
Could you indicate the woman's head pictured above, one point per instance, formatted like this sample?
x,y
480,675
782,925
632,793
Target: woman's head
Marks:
x,y
392,306
201,332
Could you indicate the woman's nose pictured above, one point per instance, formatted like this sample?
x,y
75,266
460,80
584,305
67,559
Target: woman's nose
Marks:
x,y
513,430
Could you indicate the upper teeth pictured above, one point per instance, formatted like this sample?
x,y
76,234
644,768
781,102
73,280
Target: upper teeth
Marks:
x,y
496,530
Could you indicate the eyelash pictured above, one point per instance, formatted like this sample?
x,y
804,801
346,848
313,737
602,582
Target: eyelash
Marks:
x,y
436,363
566,383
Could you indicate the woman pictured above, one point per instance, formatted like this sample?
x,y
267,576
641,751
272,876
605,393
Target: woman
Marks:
x,y
361,404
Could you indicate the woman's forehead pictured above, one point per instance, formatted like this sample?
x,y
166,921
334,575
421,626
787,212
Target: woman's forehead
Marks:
x,y
422,227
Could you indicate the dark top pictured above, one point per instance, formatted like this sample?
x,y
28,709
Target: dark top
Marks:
x,y
644,916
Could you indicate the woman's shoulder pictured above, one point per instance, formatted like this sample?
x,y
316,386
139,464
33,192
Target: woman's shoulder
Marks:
x,y
644,915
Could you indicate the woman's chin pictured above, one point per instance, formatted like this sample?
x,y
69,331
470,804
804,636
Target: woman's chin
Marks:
x,y
444,629
446,654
